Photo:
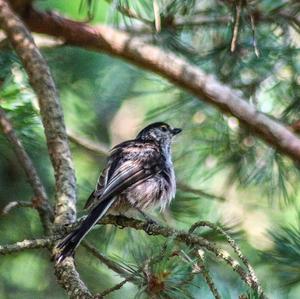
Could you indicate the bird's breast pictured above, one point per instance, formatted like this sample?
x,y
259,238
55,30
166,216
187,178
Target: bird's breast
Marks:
x,y
158,190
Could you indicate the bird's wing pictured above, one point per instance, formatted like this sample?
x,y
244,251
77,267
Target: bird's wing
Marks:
x,y
128,164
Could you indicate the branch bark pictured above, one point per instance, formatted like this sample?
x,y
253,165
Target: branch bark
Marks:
x,y
177,70
51,112
187,238
40,202
75,285
96,147
26,244
57,141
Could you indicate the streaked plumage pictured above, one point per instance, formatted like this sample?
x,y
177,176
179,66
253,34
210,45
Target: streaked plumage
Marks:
x,y
139,173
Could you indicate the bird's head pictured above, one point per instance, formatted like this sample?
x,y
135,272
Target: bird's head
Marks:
x,y
159,132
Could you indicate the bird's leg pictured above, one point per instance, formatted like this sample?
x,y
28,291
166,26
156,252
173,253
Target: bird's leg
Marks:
x,y
146,217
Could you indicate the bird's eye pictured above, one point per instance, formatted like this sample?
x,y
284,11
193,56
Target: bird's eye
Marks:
x,y
164,128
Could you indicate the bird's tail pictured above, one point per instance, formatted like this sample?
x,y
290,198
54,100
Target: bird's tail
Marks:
x,y
68,245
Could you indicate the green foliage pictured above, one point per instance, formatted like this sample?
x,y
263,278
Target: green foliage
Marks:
x,y
285,256
107,100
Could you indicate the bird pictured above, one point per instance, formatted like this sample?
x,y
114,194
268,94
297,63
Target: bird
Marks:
x,y
139,174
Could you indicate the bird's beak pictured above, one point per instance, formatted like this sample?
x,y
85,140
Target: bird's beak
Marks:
x,y
176,131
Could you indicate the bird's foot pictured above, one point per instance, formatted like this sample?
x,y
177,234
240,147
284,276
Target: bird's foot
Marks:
x,y
149,219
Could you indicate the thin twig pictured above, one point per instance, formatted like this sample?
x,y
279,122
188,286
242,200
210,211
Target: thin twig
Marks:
x,y
86,143
157,20
205,273
235,247
238,9
16,204
40,201
116,287
130,13
26,244
256,51
199,192
105,260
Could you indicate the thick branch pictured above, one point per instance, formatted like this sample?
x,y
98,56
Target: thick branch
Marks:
x,y
69,278
58,147
51,112
175,69
40,201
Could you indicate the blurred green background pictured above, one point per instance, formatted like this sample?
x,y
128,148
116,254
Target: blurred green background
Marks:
x,y
107,100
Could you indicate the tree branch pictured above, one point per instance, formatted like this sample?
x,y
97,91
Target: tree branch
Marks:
x,y
235,247
200,267
51,112
187,238
185,188
106,261
26,244
71,279
175,69
116,287
40,202
238,8
15,204
96,147
57,141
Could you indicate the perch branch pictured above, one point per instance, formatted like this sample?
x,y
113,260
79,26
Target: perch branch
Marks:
x,y
187,238
152,229
40,201
168,65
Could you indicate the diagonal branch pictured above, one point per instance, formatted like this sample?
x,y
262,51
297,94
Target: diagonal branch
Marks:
x,y
168,65
57,141
105,260
40,201
96,147
50,108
